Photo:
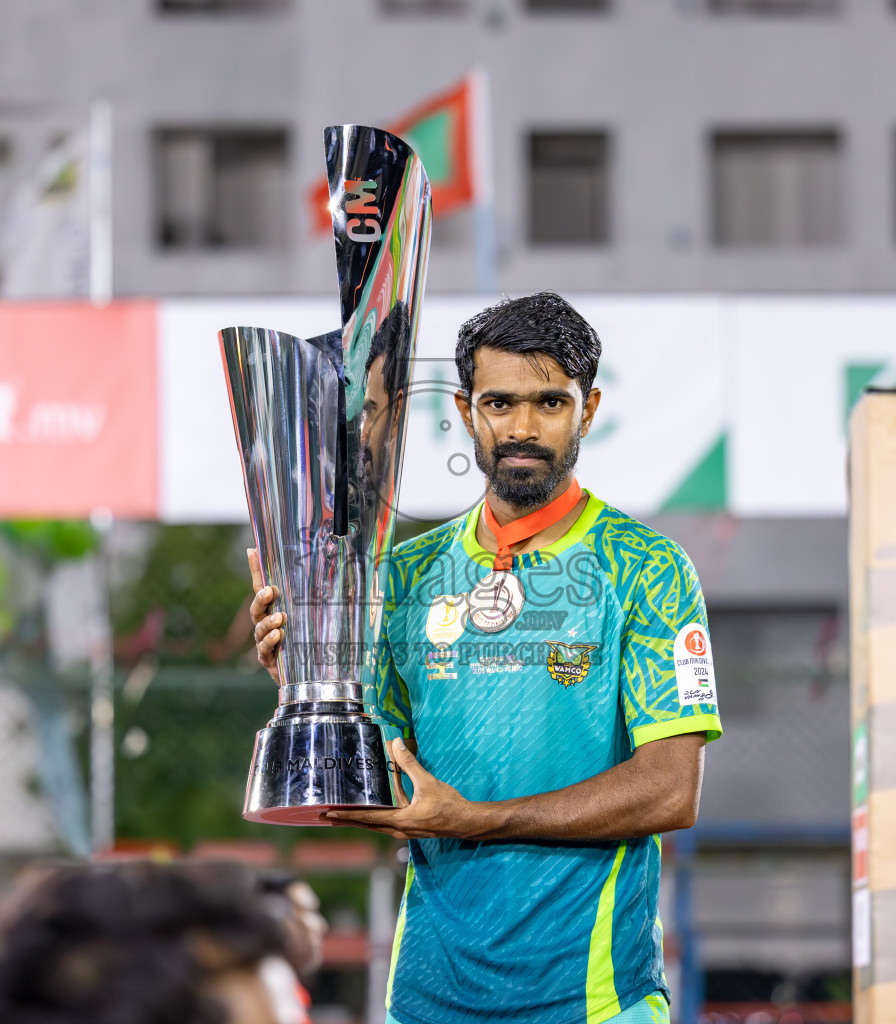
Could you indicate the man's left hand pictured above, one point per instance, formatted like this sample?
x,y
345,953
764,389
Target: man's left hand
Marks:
x,y
436,809
656,790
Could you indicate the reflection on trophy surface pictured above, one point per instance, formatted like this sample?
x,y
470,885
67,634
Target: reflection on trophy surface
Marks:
x,y
320,427
387,370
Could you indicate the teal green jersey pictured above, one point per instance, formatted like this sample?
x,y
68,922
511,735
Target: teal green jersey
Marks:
x,y
610,650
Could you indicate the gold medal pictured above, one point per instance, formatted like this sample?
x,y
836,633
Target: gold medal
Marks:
x,y
496,601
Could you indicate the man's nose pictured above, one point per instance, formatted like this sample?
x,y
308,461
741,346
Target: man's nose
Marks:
x,y
523,425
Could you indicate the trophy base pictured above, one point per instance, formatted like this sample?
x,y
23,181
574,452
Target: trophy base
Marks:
x,y
306,816
305,765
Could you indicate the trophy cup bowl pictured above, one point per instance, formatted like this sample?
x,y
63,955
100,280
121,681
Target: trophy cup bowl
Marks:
x,y
321,470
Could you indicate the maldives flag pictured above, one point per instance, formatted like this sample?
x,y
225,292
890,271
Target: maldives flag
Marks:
x,y
440,133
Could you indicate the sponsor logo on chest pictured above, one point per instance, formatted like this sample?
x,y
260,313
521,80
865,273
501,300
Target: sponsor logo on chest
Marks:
x,y
501,663
569,664
439,665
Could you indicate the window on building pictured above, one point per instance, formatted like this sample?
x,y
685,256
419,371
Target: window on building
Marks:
x,y
5,167
424,6
569,187
5,156
567,5
779,189
773,6
221,188
455,230
220,6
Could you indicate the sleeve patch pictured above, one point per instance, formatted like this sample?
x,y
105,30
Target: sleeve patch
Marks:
x,y
694,673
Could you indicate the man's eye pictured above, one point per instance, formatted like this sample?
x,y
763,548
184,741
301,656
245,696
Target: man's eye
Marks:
x,y
496,403
553,403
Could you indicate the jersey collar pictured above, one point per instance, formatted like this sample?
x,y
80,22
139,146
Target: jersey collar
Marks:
x,y
574,535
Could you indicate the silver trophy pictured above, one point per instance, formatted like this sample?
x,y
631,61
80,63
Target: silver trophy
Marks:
x,y
320,427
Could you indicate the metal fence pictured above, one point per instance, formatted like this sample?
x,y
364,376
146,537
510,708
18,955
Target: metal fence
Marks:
x,y
759,919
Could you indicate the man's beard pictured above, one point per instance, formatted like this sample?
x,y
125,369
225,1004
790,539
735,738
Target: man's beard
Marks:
x,y
528,487
372,469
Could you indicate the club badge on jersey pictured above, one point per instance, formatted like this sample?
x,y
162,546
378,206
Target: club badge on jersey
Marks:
x,y
447,618
568,664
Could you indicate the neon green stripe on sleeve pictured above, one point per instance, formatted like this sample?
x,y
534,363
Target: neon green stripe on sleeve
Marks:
x,y
601,999
710,724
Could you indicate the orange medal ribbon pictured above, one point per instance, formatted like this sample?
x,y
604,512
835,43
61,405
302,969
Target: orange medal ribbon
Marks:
x,y
528,526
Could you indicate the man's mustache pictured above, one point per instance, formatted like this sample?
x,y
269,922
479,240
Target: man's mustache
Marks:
x,y
523,450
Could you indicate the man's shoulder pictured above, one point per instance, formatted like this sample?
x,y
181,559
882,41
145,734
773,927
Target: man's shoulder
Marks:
x,y
414,556
624,546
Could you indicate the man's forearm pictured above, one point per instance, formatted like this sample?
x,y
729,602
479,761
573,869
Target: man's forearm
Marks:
x,y
622,803
656,790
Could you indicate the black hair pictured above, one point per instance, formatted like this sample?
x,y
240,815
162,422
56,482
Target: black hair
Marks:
x,y
543,324
109,943
392,340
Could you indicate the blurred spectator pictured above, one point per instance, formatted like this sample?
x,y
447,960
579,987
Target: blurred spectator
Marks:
x,y
295,903
143,943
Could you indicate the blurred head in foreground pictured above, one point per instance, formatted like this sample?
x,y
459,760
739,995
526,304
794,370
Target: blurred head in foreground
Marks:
x,y
141,943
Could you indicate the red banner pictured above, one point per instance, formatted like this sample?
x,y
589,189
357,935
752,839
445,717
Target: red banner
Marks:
x,y
78,410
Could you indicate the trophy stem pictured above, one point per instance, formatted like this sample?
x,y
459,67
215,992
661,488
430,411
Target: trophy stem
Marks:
x,y
329,690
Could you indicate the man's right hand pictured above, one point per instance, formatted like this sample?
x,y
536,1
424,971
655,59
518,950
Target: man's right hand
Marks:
x,y
267,624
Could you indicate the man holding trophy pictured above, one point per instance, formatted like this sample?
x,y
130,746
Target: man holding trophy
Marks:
x,y
537,765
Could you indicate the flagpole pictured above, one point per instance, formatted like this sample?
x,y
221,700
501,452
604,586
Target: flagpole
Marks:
x,y
99,147
483,178
102,695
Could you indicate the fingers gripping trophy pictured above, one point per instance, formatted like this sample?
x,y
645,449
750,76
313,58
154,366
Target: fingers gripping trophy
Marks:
x,y
320,428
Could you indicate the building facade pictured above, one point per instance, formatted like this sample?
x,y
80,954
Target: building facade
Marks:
x,y
686,145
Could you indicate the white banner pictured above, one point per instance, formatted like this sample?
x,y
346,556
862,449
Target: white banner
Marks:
x,y
661,408
199,471
797,367
709,403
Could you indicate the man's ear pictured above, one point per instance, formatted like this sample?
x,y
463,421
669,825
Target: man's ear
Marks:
x,y
397,406
590,408
466,412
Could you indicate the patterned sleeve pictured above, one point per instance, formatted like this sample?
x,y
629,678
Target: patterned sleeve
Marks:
x,y
391,690
667,677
